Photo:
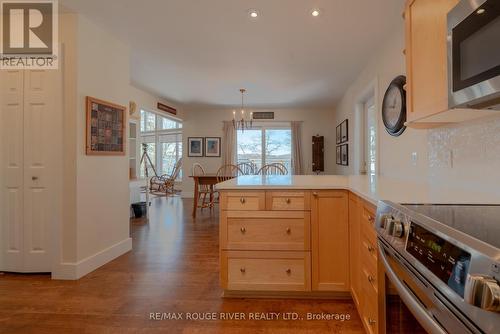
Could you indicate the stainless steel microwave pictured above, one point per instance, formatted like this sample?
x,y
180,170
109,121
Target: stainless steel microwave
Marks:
x,y
474,55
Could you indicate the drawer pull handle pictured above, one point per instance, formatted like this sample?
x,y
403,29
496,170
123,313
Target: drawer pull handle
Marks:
x,y
371,219
289,271
242,200
243,270
371,249
315,194
288,230
371,279
288,201
243,230
371,321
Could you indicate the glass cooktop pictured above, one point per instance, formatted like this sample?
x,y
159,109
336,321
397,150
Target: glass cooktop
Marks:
x,y
479,221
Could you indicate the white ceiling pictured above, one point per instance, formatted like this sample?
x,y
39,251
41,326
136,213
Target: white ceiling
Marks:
x,y
198,53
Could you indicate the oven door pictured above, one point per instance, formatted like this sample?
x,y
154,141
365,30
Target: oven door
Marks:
x,y
474,54
429,308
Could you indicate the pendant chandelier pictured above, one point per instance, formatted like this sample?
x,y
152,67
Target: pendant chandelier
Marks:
x,y
245,120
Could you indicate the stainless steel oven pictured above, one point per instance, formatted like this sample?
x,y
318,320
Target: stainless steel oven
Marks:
x,y
474,55
443,262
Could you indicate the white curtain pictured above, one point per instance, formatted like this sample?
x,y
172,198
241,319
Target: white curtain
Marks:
x,y
228,144
297,148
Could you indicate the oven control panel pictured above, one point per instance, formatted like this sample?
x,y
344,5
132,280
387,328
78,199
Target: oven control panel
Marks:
x,y
447,261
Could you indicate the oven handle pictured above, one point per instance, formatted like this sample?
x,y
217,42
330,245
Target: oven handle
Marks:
x,y
418,311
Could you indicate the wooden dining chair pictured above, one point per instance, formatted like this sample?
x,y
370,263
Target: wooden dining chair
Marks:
x,y
228,172
204,190
247,168
282,166
273,169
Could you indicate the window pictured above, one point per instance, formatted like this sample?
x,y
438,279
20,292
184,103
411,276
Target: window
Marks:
x,y
164,138
265,145
370,138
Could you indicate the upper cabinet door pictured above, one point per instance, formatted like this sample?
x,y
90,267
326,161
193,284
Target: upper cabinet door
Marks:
x,y
426,58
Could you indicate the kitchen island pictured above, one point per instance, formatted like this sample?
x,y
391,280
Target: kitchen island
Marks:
x,y
314,236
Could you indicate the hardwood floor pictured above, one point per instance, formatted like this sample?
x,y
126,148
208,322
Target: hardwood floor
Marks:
x,y
173,267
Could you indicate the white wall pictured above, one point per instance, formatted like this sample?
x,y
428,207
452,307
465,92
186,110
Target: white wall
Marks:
x,y
95,225
208,123
102,181
475,145
394,153
148,101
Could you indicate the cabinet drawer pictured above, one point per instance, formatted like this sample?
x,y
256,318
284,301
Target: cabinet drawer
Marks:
x,y
266,271
369,279
288,200
369,249
369,312
368,222
243,201
289,232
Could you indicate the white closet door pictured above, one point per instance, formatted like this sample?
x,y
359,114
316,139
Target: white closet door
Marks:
x,y
12,173
39,150
29,153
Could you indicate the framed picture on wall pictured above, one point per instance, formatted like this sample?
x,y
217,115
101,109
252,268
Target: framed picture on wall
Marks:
x,y
338,135
105,133
344,154
195,147
212,146
339,156
344,131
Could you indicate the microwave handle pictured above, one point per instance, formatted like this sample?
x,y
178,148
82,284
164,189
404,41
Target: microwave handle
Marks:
x,y
423,317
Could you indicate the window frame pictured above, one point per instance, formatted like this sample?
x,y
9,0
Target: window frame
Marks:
x,y
157,134
266,127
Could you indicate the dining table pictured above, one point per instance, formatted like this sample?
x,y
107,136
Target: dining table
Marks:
x,y
205,179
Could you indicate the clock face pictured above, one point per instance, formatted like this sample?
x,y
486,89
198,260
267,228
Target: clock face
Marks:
x,y
394,107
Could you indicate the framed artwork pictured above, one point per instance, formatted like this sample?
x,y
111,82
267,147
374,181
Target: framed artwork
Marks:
x,y
339,157
105,132
195,147
338,135
212,146
344,155
344,131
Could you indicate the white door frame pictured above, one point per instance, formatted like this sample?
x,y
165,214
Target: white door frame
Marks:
x,y
371,91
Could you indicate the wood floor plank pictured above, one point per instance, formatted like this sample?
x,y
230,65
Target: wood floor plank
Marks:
x,y
173,267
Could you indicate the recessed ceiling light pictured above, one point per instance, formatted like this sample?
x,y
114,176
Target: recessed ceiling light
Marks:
x,y
315,12
480,10
253,13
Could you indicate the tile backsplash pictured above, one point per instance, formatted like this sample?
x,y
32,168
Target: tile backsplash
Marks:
x,y
467,154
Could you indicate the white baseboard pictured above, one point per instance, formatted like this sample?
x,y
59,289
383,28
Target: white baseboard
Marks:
x,y
76,270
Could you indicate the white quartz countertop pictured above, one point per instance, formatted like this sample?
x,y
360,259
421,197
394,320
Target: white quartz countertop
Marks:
x,y
371,189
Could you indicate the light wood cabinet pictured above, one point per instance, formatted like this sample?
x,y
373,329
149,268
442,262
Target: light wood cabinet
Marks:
x,y
265,241
426,57
288,200
266,271
367,274
330,240
354,248
243,201
263,230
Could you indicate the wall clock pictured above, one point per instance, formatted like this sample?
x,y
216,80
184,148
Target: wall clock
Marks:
x,y
394,107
